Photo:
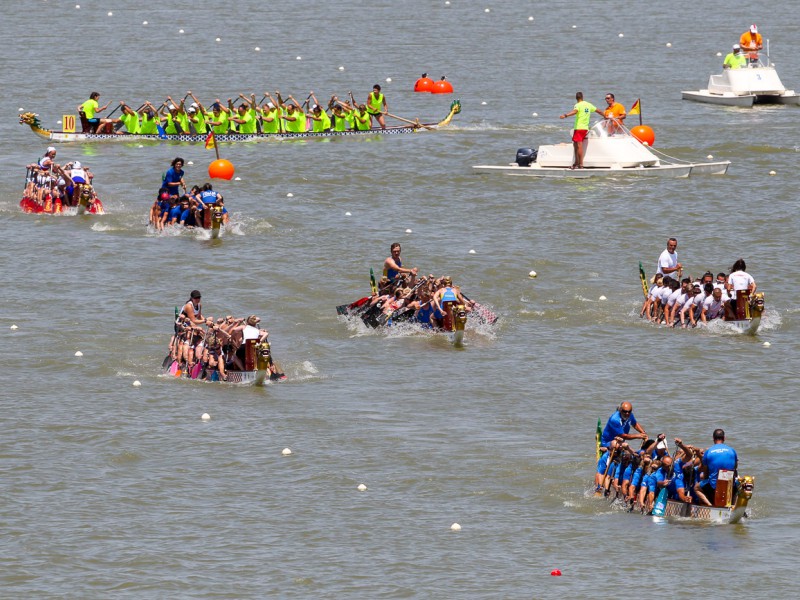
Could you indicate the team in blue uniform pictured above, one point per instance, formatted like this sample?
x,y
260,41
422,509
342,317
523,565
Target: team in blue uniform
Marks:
x,y
689,475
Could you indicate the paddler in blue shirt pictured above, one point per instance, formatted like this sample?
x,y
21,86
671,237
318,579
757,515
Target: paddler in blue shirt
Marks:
x,y
718,457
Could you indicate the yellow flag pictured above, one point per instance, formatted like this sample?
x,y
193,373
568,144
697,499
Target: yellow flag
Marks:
x,y
210,142
635,108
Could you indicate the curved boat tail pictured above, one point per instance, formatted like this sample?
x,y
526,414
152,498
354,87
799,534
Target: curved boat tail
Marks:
x,y
455,108
216,220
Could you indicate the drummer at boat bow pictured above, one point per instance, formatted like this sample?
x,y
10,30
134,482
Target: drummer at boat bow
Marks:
x,y
668,260
583,112
619,426
739,283
393,265
193,310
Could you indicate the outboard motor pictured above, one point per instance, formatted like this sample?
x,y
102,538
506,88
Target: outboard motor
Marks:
x,y
526,156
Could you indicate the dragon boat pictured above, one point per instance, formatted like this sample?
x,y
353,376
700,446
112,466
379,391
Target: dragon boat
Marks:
x,y
41,196
729,503
607,153
32,120
257,370
748,313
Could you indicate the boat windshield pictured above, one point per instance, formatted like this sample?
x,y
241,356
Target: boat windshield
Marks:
x,y
607,128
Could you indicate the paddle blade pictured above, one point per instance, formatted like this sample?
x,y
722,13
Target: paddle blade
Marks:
x,y
161,133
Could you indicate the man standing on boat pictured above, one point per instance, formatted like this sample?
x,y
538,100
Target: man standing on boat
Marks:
x,y
614,113
376,106
718,457
751,41
668,261
735,59
619,425
738,281
583,111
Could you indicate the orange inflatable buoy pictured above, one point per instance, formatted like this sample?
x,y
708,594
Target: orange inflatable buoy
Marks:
x,y
424,84
221,169
442,87
644,134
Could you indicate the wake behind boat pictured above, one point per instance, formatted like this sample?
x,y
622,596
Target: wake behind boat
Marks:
x,y
610,150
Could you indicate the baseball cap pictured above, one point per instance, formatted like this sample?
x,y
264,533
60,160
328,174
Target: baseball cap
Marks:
x,y
194,104
271,105
191,110
51,149
173,107
76,165
753,28
737,47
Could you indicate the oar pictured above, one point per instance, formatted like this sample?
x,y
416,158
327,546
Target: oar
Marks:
x,y
643,277
660,505
488,314
415,123
372,282
113,111
343,309
608,466
597,436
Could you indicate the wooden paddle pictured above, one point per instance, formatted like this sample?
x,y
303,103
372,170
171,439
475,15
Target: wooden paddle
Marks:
x,y
597,436
372,282
643,277
415,123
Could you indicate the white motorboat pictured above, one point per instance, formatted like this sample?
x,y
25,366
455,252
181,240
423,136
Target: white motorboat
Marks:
x,y
757,83
609,150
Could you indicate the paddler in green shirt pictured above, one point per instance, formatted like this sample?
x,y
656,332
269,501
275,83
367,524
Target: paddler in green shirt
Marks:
x,y
218,118
294,117
735,59
130,119
150,120
338,114
198,116
583,112
320,120
270,116
245,117
170,118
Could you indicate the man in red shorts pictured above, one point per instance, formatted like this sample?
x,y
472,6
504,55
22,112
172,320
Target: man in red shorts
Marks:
x,y
583,111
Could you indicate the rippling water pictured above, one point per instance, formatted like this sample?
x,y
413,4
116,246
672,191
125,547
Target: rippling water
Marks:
x,y
110,489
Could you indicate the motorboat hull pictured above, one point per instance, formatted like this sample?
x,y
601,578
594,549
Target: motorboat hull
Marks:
x,y
744,88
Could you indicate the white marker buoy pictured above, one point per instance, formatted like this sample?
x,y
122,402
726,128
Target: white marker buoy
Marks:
x,y
347,214
772,173
205,417
574,26
59,121
447,3
532,274
299,58
137,383
362,487
257,49
180,31
110,14
144,22
487,10
219,39
77,6
710,156
530,18
286,451
290,195
409,231
21,109
141,146
472,251
719,53
341,68
767,344
483,103
455,527
621,35
669,45
534,114
237,178
602,298
191,162
79,353
14,327
388,80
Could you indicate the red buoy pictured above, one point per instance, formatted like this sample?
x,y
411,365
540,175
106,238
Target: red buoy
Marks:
x,y
644,134
220,169
442,87
424,84
555,573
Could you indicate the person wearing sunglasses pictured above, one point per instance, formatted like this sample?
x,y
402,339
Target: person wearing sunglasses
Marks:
x,y
619,425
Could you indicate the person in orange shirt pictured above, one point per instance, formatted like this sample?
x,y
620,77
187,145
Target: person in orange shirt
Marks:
x,y
614,113
751,43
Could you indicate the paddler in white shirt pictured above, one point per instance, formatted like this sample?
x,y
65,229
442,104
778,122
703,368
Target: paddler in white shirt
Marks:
x,y
712,306
668,261
738,281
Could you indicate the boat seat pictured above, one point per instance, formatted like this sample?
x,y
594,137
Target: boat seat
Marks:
x,y
86,127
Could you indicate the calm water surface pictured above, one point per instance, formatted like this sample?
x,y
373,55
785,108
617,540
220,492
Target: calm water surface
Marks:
x,y
115,491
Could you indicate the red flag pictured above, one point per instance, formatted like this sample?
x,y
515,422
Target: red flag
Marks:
x,y
210,142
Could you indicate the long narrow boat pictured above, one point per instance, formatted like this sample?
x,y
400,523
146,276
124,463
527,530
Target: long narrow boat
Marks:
x,y
40,196
257,362
32,120
730,503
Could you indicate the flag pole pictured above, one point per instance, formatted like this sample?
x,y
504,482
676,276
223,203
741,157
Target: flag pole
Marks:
x,y
640,112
